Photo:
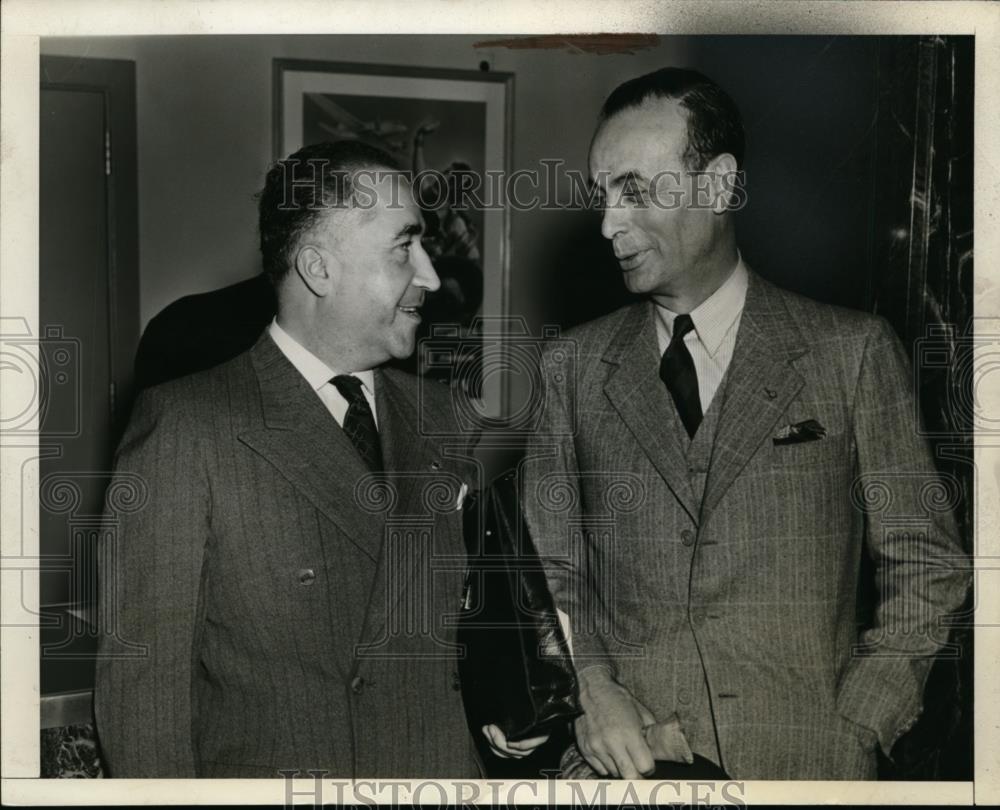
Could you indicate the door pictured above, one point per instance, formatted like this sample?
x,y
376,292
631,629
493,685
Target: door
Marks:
x,y
88,315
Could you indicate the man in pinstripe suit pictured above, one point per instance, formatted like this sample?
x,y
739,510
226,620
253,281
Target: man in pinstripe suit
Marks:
x,y
281,602
724,441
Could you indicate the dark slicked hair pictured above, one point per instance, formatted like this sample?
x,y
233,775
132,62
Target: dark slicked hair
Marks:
x,y
298,189
714,124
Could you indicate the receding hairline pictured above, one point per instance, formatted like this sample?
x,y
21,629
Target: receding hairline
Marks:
x,y
685,114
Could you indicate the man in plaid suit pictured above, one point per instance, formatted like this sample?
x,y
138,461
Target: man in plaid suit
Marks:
x,y
730,450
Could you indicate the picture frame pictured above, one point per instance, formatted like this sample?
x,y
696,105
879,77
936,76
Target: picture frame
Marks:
x,y
443,123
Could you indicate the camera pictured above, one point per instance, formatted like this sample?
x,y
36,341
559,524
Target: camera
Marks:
x,y
41,378
494,375
966,367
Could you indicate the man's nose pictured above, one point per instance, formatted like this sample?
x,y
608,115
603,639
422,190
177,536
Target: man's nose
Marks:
x,y
425,276
612,221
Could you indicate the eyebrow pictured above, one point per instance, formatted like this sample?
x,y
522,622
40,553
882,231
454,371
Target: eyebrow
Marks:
x,y
624,177
413,229
619,179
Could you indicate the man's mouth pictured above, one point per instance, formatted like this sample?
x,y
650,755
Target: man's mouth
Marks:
x,y
411,310
629,261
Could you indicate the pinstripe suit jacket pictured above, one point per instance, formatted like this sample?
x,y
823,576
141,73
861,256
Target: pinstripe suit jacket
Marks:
x,y
293,611
736,610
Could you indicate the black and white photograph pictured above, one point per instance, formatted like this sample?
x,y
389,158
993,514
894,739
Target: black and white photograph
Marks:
x,y
583,416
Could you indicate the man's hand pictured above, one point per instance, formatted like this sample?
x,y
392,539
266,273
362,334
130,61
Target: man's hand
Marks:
x,y
609,734
667,741
510,750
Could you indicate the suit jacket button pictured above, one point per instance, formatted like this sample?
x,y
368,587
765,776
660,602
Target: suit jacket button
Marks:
x,y
683,696
687,537
306,576
358,685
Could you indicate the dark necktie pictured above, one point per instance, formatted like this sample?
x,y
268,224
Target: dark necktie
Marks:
x,y
359,424
678,374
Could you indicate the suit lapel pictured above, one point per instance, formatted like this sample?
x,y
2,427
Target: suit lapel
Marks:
x,y
303,441
635,390
414,463
402,443
759,386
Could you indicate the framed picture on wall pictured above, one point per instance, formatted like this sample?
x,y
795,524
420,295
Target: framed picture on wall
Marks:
x,y
452,129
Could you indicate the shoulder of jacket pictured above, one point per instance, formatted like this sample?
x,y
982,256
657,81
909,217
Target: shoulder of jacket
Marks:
x,y
821,324
590,339
203,388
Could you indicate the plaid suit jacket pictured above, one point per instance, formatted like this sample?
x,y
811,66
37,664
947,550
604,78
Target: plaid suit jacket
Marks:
x,y
738,611
271,606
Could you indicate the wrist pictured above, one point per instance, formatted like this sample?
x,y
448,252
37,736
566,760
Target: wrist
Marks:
x,y
594,676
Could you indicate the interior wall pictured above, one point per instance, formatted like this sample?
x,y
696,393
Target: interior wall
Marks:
x,y
204,136
809,103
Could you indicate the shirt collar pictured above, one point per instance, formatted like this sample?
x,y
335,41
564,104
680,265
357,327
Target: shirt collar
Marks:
x,y
316,372
716,315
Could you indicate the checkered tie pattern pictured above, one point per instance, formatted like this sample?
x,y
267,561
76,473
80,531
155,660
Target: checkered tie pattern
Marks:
x,y
679,375
359,423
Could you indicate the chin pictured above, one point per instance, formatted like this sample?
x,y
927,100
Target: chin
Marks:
x,y
647,280
403,349
637,282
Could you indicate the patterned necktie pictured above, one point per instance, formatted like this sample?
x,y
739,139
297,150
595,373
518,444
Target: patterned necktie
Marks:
x,y
359,424
678,374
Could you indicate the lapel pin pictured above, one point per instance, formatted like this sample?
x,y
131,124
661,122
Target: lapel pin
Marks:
x,y
771,393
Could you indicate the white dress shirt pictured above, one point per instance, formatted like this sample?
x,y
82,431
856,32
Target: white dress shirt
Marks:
x,y
318,374
711,342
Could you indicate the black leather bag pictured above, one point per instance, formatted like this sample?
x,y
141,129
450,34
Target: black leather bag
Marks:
x,y
514,664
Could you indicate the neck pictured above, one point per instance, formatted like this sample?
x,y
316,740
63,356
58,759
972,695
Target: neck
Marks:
x,y
338,355
698,283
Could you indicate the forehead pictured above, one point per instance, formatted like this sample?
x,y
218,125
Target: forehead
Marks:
x,y
384,210
646,139
386,204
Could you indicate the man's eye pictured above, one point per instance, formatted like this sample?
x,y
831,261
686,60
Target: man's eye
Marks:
x,y
632,188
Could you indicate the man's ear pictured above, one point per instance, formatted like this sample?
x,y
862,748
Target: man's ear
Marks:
x,y
314,266
725,178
